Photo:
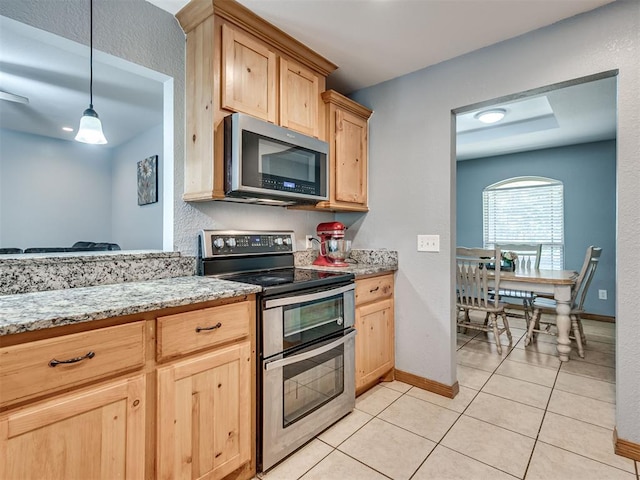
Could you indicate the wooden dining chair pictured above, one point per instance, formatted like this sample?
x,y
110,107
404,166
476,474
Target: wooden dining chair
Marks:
x,y
528,258
477,273
578,295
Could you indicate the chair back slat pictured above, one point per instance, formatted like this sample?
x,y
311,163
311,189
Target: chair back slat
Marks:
x,y
528,254
473,277
589,266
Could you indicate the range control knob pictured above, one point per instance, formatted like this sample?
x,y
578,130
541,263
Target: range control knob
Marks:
x,y
218,242
277,241
287,240
231,242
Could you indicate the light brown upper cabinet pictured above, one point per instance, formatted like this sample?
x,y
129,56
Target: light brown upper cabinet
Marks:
x,y
347,127
238,62
299,98
248,75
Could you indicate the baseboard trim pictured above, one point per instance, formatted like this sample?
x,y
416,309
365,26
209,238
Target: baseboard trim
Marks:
x,y
449,391
625,448
599,318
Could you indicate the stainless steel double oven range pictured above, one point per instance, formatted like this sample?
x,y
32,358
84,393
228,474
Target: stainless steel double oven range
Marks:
x,y
306,347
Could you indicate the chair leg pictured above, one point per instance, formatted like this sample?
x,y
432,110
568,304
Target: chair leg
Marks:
x,y
527,312
493,320
582,335
576,333
506,326
532,323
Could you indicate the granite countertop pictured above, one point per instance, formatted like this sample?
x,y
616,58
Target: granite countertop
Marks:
x,y
39,310
361,262
358,269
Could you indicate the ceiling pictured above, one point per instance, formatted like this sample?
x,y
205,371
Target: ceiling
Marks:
x,y
375,40
571,115
355,34
53,73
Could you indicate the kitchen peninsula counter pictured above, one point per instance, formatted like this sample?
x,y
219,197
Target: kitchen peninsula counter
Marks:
x,y
40,310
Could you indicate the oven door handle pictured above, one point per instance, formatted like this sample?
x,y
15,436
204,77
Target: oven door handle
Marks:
x,y
281,302
283,362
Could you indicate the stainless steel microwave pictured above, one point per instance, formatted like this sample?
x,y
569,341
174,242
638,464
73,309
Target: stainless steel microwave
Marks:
x,y
268,164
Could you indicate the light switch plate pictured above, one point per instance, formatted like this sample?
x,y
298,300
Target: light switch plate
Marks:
x,y
428,243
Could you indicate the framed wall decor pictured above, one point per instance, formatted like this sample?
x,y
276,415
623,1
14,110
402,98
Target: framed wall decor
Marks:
x,y
148,180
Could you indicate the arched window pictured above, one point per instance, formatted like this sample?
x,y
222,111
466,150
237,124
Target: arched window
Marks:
x,y
526,210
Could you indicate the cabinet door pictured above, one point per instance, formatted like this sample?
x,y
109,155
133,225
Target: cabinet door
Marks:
x,y
96,433
248,75
374,342
351,158
299,98
204,414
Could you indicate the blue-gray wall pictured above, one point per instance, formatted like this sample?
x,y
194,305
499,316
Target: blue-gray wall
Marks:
x,y
53,192
413,179
133,226
588,172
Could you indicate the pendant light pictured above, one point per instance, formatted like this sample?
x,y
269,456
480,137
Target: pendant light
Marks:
x,y
90,130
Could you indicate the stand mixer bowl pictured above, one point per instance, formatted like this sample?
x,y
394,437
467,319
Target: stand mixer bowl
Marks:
x,y
335,249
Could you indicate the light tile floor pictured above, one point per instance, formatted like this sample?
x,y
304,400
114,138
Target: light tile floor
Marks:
x,y
521,414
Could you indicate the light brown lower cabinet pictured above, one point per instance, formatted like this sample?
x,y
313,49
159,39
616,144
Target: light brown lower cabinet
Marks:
x,y
93,433
375,353
159,395
204,414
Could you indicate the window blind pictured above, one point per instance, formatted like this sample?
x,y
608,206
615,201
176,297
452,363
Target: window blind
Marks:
x,y
526,210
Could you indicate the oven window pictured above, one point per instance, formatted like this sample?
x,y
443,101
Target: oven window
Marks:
x,y
309,384
306,322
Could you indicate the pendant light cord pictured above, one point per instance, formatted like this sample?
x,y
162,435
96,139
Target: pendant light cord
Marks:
x,y
91,54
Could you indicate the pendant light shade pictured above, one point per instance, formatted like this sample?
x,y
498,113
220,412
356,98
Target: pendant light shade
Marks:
x,y
90,130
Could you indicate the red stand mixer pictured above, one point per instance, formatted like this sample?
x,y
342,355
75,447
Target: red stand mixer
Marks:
x,y
333,247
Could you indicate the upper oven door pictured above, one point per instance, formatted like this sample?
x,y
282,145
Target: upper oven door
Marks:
x,y
297,320
263,159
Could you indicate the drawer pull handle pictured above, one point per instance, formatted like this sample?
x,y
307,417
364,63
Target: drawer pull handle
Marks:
x,y
200,329
55,362
375,289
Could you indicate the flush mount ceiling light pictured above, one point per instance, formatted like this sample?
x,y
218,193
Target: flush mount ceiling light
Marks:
x,y
90,130
491,116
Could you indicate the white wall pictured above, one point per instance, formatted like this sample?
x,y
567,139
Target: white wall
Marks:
x,y
412,179
54,193
136,227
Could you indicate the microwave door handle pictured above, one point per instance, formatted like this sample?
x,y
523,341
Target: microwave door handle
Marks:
x,y
281,302
270,365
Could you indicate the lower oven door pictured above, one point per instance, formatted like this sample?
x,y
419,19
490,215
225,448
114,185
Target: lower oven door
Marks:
x,y
304,393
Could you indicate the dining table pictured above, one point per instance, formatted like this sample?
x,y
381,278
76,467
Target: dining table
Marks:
x,y
558,283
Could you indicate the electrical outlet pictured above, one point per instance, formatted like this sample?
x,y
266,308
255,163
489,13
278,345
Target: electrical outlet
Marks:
x,y
309,243
428,243
602,294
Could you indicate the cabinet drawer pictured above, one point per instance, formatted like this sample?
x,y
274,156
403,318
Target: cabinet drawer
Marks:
x,y
374,288
30,369
192,331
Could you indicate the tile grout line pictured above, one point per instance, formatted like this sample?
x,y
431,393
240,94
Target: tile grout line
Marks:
x,y
546,408
459,417
460,414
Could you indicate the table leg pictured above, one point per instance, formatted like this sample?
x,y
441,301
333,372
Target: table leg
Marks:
x,y
562,296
